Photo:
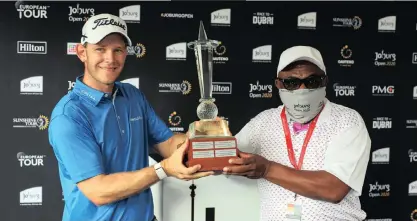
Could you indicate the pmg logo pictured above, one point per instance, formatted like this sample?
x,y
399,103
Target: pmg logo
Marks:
x,y
378,90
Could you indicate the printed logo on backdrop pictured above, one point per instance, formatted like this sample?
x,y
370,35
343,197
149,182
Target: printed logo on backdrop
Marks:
x,y
413,215
40,122
260,91
175,121
414,61
381,156
263,18
307,21
184,87
138,50
71,85
385,59
177,51
30,160
31,47
221,17
130,14
346,54
220,50
379,190
412,155
411,124
32,11
177,15
262,54
222,88
32,86
31,196
355,22
378,90
77,14
71,48
382,123
387,24
415,92
344,90
412,188
132,81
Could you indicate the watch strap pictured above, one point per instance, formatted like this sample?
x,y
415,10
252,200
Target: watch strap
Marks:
x,y
159,171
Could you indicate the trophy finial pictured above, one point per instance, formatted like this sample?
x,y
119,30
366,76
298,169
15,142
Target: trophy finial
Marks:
x,y
202,36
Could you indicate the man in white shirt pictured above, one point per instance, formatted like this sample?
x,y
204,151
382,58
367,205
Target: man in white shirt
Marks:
x,y
309,155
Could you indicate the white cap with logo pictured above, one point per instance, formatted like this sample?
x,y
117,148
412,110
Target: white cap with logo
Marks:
x,y
99,26
300,53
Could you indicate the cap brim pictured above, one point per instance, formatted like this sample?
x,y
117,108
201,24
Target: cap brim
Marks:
x,y
98,39
304,58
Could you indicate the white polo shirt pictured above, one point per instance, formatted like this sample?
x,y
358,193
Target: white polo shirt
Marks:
x,y
340,145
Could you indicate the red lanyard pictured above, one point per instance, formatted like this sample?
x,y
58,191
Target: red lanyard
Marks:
x,y
290,148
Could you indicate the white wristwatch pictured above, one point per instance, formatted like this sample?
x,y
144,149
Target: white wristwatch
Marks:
x,y
159,171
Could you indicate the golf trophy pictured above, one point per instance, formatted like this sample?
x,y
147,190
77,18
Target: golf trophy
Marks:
x,y
211,144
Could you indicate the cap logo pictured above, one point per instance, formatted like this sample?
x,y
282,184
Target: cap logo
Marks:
x,y
107,21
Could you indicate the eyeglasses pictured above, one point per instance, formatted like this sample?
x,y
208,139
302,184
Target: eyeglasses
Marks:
x,y
312,82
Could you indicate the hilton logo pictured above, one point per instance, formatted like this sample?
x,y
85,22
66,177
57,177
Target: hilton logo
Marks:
x,y
31,47
222,88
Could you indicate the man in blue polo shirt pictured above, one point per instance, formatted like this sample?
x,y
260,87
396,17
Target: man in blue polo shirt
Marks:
x,y
100,133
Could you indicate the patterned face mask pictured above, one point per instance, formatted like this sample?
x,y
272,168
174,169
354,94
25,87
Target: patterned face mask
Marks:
x,y
303,105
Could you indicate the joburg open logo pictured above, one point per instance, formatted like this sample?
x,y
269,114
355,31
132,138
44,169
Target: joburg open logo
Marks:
x,y
41,122
139,50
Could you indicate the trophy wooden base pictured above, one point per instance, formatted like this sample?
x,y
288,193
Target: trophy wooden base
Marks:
x,y
212,153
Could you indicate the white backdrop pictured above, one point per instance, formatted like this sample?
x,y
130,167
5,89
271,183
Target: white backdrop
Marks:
x,y
233,197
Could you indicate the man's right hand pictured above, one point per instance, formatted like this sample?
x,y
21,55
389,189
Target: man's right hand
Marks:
x,y
174,166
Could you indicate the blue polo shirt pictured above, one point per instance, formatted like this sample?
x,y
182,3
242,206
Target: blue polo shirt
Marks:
x,y
94,133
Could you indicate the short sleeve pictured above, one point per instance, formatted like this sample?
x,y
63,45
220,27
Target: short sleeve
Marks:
x,y
244,138
158,131
75,148
347,156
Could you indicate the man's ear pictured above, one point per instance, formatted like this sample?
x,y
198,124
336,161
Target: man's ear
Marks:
x,y
326,80
82,52
278,84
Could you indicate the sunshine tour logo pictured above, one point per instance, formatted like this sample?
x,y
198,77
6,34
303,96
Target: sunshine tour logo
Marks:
x,y
106,21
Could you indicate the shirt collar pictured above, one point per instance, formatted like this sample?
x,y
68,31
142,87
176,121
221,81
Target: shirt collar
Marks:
x,y
92,95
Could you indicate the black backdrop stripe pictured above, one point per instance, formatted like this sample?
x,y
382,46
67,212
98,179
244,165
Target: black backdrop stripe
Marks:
x,y
382,94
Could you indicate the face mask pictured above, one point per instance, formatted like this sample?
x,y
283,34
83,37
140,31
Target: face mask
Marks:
x,y
303,105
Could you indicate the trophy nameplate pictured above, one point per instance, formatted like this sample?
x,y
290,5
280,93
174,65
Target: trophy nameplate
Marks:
x,y
210,143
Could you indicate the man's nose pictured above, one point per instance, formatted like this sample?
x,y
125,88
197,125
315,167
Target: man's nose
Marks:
x,y
109,56
302,86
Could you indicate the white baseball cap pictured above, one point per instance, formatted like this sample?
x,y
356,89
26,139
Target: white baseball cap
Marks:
x,y
99,26
300,53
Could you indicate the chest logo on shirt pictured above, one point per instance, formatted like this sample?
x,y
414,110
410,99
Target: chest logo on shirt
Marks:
x,y
135,118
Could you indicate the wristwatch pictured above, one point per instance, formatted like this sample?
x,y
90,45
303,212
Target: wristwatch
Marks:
x,y
159,171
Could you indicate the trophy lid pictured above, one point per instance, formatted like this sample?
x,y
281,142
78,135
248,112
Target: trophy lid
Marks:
x,y
202,36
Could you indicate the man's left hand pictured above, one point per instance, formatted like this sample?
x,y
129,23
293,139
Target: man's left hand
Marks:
x,y
249,165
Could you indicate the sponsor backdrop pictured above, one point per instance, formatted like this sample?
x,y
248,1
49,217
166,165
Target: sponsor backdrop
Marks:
x,y
369,49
